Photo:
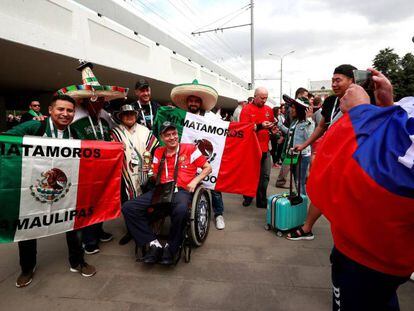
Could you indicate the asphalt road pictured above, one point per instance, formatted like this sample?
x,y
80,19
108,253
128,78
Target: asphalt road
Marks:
x,y
242,267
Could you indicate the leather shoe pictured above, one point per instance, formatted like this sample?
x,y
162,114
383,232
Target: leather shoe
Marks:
x,y
167,258
153,255
125,239
247,201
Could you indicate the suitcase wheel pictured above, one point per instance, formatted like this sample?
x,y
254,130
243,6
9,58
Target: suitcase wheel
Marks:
x,y
279,233
267,227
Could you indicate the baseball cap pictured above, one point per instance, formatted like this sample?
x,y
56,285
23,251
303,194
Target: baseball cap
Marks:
x,y
166,126
141,84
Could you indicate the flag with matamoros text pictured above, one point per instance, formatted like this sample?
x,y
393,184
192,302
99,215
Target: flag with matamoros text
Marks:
x,y
231,148
49,186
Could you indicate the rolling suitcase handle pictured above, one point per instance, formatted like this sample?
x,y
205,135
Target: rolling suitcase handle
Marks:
x,y
297,199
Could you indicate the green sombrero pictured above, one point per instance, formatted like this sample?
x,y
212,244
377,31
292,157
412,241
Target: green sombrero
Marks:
x,y
208,95
91,88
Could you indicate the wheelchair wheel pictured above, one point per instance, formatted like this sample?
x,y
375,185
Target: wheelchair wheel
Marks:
x,y
200,216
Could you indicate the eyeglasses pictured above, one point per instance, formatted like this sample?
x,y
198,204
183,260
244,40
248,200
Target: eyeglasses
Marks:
x,y
35,105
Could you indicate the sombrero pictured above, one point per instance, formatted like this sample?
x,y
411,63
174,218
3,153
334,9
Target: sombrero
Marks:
x,y
299,102
208,95
91,88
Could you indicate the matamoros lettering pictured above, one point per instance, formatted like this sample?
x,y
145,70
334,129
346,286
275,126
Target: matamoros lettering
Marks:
x,y
48,151
212,129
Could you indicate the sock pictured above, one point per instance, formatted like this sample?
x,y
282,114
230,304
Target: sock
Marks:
x,y
156,243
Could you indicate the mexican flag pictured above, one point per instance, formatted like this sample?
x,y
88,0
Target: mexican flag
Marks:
x,y
231,148
49,186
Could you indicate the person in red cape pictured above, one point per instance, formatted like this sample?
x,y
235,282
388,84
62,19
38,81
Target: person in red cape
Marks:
x,y
262,116
368,197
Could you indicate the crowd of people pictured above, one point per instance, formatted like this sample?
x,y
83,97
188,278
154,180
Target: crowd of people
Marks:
x,y
288,137
33,113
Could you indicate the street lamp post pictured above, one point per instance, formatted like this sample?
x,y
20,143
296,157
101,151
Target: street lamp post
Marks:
x,y
281,70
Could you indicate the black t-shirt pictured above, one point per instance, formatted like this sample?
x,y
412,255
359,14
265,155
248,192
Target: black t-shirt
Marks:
x,y
146,109
327,107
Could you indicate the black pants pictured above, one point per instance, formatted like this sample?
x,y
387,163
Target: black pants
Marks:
x,y
261,197
91,234
273,151
279,152
359,288
28,252
138,220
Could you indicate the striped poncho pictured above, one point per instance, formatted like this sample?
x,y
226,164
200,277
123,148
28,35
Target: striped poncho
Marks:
x,y
136,141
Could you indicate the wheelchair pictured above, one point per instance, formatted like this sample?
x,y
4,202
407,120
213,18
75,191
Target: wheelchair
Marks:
x,y
197,225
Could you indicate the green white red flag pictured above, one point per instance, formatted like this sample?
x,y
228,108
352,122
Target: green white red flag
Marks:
x,y
49,186
231,148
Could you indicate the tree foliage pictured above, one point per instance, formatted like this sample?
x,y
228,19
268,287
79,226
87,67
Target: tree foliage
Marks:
x,y
399,70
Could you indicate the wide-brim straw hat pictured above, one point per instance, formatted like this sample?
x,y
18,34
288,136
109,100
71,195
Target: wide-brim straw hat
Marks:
x,y
207,94
302,103
91,88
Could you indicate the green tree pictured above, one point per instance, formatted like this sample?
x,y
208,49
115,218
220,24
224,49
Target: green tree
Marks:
x,y
407,79
387,62
400,71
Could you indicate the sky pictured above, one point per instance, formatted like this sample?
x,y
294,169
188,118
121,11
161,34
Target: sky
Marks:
x,y
323,34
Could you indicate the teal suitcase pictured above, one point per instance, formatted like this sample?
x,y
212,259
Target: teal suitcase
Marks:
x,y
283,214
286,211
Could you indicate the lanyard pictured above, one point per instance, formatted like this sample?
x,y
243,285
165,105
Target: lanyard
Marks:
x,y
175,162
291,133
129,142
52,129
142,112
100,128
333,114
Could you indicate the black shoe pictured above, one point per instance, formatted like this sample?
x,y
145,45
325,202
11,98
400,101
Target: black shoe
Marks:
x,y
167,258
91,249
125,239
105,237
247,201
153,255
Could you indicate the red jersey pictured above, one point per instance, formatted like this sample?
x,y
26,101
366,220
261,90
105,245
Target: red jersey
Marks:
x,y
257,115
189,159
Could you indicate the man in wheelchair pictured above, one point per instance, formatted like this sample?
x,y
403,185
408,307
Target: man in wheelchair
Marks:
x,y
174,166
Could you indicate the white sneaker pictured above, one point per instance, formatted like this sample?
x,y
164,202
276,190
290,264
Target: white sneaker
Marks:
x,y
220,223
412,277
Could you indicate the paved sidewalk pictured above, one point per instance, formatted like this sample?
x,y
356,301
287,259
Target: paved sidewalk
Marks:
x,y
242,267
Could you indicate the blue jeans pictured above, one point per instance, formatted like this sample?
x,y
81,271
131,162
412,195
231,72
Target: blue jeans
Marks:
x,y
217,202
359,288
137,218
305,161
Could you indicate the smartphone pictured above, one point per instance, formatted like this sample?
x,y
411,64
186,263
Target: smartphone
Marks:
x,y
364,79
